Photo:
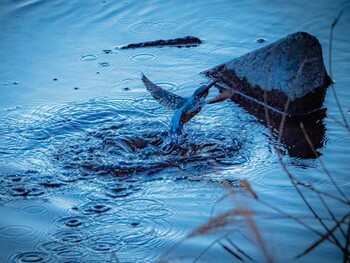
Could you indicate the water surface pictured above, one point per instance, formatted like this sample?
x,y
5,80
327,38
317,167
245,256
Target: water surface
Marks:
x,y
83,174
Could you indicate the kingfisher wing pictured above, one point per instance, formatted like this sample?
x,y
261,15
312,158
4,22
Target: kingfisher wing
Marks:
x,y
166,98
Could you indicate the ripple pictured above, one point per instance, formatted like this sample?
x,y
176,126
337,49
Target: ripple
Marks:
x,y
70,237
260,40
172,25
26,257
169,86
107,51
198,58
148,104
133,146
26,191
10,82
104,64
88,57
103,243
64,250
17,231
73,222
11,142
144,236
140,238
128,71
222,51
36,134
143,57
15,108
146,207
95,208
70,254
150,26
129,80
340,142
126,21
211,23
118,138
54,246
34,210
121,191
145,27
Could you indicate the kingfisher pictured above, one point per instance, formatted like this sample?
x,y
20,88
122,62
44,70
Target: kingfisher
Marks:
x,y
185,108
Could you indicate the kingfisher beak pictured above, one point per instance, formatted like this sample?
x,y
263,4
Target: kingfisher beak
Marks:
x,y
224,95
205,91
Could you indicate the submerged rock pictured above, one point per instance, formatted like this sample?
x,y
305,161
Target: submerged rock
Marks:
x,y
290,69
188,41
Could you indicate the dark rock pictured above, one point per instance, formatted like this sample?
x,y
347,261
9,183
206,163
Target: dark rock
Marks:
x,y
290,69
260,40
177,42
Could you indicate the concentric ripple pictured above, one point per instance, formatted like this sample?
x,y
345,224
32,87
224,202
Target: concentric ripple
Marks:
x,y
143,57
31,257
121,191
140,235
126,21
121,138
95,208
103,243
155,26
135,144
34,210
212,23
131,71
72,222
16,231
104,64
70,237
147,207
88,57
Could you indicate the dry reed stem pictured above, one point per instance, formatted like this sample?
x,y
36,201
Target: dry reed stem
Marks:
x,y
209,247
311,187
291,177
230,251
222,220
330,177
226,219
259,238
347,242
247,186
329,232
239,249
331,213
318,242
219,221
330,68
306,202
286,106
336,121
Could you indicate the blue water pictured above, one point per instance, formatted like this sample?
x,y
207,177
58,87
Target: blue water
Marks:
x,y
83,176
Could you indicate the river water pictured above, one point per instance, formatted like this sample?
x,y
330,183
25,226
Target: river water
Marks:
x,y
83,176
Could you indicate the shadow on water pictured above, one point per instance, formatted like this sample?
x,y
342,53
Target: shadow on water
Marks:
x,y
293,136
